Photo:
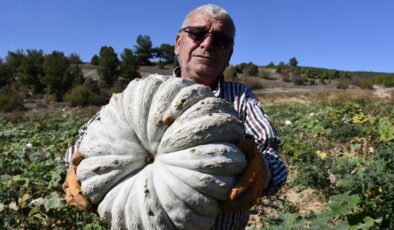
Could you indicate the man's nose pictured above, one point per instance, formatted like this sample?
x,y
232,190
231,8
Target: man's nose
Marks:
x,y
207,42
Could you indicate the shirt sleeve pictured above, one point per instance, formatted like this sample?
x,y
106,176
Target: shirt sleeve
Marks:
x,y
259,126
82,132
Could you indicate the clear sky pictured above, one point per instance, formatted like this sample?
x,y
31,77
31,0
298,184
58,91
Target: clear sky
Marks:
x,y
354,35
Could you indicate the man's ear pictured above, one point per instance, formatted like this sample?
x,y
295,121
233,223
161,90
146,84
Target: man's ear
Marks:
x,y
177,43
229,57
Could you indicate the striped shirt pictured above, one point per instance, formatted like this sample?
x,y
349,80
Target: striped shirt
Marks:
x,y
257,125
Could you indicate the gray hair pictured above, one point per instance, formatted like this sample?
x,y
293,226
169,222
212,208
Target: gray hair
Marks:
x,y
215,11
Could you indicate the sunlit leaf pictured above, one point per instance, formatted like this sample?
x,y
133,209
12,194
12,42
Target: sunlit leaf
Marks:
x,y
13,206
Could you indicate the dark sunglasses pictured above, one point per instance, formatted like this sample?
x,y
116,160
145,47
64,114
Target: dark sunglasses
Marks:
x,y
198,34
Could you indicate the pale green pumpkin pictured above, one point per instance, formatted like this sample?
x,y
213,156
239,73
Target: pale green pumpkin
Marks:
x,y
162,155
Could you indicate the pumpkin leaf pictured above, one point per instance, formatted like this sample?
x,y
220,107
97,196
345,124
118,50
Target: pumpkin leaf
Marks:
x,y
53,202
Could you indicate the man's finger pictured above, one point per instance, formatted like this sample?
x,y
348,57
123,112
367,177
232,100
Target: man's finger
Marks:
x,y
76,158
74,196
249,178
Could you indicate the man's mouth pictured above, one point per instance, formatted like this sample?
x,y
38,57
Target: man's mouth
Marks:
x,y
204,57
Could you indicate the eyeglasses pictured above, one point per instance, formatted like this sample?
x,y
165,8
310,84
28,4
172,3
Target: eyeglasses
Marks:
x,y
198,34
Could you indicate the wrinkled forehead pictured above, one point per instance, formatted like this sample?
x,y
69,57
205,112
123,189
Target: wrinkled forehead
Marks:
x,y
206,20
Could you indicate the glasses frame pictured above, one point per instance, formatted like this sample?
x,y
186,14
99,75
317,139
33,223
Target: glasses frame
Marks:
x,y
219,39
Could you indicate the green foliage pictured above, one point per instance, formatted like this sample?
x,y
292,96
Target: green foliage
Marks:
x,y
55,79
247,68
108,66
95,60
83,95
386,80
264,74
251,69
366,83
240,67
74,58
15,59
285,77
270,65
143,49
386,130
128,65
293,62
31,71
340,208
10,101
6,75
160,64
342,84
299,80
230,72
343,150
32,173
323,74
166,52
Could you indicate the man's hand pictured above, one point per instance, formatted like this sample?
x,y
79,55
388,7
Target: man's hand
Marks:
x,y
72,186
250,184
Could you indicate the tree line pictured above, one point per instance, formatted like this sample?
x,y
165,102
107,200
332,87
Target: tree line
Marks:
x,y
34,72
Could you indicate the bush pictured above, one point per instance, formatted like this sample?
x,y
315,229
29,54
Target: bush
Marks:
x,y
83,95
264,75
365,83
299,80
386,80
160,64
240,67
252,83
251,70
230,72
10,101
285,78
341,84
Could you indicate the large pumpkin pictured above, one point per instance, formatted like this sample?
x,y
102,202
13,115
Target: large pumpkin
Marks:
x,y
161,156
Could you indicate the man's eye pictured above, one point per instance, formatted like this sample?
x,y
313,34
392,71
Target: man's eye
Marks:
x,y
198,34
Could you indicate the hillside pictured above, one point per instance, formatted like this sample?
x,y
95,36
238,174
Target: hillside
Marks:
x,y
272,84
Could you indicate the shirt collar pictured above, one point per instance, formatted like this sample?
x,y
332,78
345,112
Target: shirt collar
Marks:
x,y
216,90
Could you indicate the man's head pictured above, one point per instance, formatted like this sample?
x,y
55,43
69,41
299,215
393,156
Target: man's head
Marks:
x,y
205,43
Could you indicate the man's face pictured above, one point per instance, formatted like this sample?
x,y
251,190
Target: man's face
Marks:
x,y
203,59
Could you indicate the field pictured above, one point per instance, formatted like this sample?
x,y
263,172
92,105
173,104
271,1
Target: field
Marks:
x,y
340,154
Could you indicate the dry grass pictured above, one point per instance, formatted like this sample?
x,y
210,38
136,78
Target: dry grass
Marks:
x,y
329,97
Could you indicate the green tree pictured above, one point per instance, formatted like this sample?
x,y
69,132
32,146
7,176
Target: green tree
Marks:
x,y
251,69
128,65
6,75
143,49
293,62
31,71
386,80
167,52
74,58
240,67
271,65
74,75
55,79
230,72
15,59
108,66
95,60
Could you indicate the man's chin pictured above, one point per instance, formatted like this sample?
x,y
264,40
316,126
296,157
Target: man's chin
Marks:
x,y
205,77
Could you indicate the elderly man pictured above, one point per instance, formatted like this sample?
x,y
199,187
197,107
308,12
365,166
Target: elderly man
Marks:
x,y
204,46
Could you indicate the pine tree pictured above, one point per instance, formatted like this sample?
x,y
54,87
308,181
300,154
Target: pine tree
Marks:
x,y
108,66
128,65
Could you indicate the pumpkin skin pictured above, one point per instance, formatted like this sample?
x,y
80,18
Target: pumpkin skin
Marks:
x,y
161,156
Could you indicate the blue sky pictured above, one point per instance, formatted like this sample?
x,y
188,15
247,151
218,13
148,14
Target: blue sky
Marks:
x,y
354,35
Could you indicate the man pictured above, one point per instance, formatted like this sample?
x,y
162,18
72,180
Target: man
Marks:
x,y
204,46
